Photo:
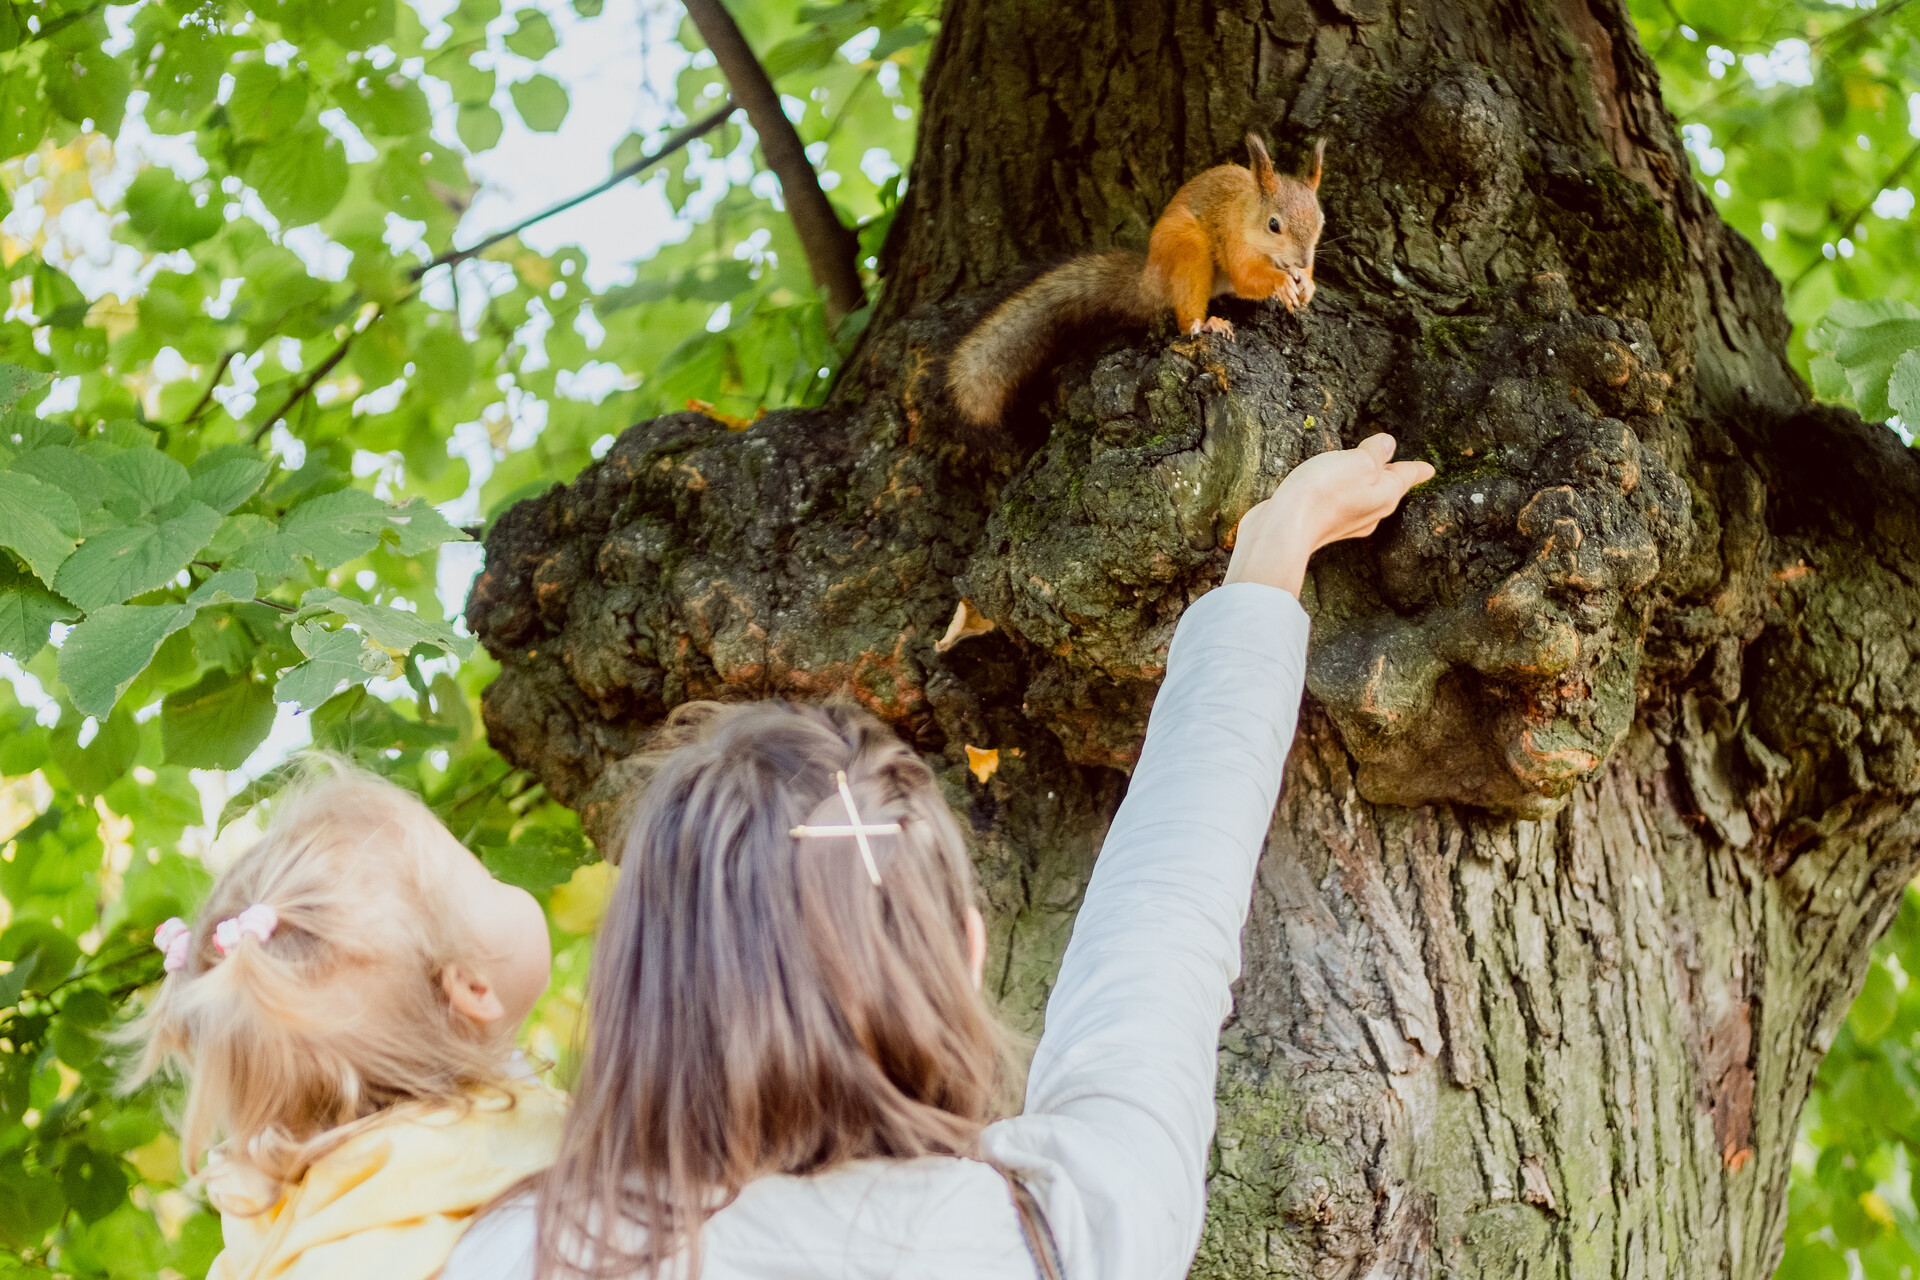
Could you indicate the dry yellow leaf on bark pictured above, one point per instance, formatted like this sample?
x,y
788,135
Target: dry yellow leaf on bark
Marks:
x,y
967,621
983,763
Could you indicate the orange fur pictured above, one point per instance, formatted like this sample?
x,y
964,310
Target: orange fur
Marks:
x,y
1249,231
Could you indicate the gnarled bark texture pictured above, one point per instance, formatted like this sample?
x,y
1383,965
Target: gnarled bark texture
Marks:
x,y
1607,776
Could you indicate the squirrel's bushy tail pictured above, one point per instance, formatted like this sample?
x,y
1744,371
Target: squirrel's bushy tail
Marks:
x,y
1017,336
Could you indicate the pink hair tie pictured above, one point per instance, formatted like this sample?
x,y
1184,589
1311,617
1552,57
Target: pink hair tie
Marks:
x,y
174,938
257,921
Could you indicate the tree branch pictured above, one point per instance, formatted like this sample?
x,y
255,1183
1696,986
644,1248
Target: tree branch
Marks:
x,y
1847,224
832,250
312,380
698,129
206,397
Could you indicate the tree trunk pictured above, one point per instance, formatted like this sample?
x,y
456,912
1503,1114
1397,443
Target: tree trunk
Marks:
x,y
1606,780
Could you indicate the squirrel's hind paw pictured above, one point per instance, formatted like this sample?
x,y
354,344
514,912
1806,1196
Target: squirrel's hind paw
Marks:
x,y
1211,324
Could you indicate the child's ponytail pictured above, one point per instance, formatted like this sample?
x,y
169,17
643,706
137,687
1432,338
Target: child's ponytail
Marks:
x,y
266,1001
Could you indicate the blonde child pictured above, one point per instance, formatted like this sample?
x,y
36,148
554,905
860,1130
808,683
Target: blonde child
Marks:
x,y
344,1012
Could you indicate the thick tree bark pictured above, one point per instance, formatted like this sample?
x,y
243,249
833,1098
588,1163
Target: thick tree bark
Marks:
x,y
1607,777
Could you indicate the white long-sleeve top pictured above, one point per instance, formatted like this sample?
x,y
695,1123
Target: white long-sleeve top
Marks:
x,y
1119,1107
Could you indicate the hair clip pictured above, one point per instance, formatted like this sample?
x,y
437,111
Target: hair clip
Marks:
x,y
859,831
174,938
257,921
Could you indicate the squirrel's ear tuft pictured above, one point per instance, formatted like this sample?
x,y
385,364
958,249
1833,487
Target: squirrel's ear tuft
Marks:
x,y
1312,176
1262,165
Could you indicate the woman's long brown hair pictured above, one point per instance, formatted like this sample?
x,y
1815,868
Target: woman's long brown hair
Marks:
x,y
757,1005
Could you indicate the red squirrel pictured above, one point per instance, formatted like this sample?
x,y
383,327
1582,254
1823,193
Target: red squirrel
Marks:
x,y
1246,231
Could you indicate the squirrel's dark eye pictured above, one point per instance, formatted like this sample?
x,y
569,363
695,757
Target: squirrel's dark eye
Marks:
x,y
1273,225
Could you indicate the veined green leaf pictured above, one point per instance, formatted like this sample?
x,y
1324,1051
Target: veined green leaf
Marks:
x,y
331,529
146,482
333,658
218,722
300,175
419,527
38,521
228,481
16,383
394,628
124,562
110,646
1868,354
27,612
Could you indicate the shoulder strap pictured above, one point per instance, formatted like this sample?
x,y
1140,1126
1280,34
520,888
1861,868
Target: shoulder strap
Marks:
x,y
1033,1225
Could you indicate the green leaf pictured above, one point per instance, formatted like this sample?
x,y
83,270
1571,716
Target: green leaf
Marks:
x,y
110,646
389,105
24,114
264,104
443,364
1874,1008
479,127
217,723
332,529
420,527
146,483
165,214
1903,387
393,628
132,559
16,383
57,301
541,102
1868,354
38,521
225,483
224,587
81,477
333,657
27,613
1830,380
535,863
52,953
93,1181
300,176
89,84
533,39
454,64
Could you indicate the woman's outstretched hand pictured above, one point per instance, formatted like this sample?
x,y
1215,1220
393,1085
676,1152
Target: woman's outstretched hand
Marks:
x,y
1328,497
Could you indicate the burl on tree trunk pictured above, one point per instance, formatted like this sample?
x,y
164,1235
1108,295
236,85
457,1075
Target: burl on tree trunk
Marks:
x,y
1606,780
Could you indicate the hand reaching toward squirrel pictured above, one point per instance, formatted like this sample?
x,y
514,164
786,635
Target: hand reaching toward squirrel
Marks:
x,y
1329,497
1249,231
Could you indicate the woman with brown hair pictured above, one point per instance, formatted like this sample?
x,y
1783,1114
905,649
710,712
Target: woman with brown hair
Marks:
x,y
790,1071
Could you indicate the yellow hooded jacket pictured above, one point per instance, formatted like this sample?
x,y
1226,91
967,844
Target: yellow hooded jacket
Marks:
x,y
390,1202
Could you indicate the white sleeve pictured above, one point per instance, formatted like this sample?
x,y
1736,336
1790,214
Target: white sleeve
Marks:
x,y
1120,1109
499,1246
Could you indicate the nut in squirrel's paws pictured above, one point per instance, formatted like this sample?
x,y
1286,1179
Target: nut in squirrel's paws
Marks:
x,y
1212,324
1296,291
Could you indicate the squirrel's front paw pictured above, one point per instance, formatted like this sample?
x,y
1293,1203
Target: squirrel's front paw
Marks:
x,y
1211,324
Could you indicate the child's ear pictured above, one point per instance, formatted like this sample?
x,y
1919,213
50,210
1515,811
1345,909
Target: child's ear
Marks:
x,y
1262,164
472,995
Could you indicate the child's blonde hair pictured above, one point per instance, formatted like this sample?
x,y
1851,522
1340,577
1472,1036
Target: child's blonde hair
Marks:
x,y
341,1012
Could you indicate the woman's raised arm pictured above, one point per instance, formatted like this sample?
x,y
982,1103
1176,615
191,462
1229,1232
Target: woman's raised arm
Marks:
x,y
1120,1107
